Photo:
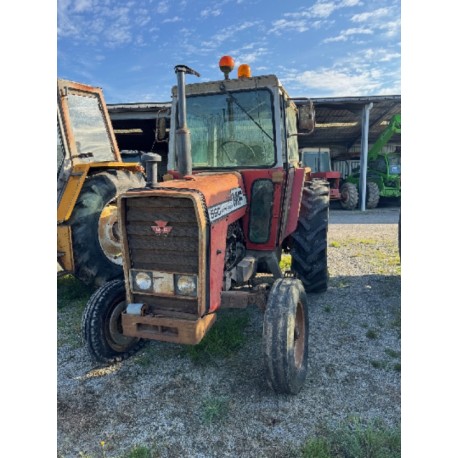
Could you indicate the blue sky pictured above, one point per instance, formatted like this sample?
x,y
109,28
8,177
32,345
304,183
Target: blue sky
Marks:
x,y
323,48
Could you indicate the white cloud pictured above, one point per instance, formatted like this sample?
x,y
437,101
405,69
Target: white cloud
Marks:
x,y
297,25
371,15
345,34
313,16
162,7
210,12
333,82
172,19
82,5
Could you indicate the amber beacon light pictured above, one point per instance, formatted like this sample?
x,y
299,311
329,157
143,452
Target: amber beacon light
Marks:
x,y
244,71
226,65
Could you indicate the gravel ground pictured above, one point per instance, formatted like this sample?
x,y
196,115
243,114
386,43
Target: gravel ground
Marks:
x,y
162,399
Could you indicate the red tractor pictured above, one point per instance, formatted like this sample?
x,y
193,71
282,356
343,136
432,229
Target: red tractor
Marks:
x,y
319,160
234,197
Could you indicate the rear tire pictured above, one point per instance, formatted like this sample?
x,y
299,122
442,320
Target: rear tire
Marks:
x,y
101,325
372,195
285,336
95,237
309,241
349,196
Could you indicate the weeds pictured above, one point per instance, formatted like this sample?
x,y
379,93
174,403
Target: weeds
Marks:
x,y
285,262
371,334
356,441
214,410
224,338
72,296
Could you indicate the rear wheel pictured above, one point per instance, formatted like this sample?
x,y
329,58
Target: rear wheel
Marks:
x,y
372,195
349,196
309,241
285,336
95,233
101,325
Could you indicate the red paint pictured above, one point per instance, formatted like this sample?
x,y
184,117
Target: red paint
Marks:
x,y
292,214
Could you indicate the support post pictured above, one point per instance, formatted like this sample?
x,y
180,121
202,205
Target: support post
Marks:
x,y
363,154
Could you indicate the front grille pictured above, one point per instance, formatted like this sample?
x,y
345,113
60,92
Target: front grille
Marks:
x,y
176,252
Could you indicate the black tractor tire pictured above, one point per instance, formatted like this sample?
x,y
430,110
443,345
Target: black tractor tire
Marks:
x,y
97,257
372,195
309,242
101,325
285,336
349,196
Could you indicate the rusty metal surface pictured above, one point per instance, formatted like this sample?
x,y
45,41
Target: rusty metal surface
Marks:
x,y
167,329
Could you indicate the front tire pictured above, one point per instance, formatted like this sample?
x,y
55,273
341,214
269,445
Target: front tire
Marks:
x,y
101,325
95,236
309,241
285,336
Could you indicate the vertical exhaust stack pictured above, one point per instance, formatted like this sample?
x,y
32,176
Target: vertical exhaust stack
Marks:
x,y
183,135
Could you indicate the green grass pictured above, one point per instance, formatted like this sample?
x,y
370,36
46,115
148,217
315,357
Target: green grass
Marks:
x,y
392,353
224,339
354,440
71,292
285,262
72,296
214,410
371,334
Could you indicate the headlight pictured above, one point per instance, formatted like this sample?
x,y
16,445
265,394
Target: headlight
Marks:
x,y
186,285
143,280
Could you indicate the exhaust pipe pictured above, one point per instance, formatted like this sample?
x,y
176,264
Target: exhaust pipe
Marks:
x,y
183,135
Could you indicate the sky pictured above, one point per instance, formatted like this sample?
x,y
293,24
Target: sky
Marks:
x,y
323,48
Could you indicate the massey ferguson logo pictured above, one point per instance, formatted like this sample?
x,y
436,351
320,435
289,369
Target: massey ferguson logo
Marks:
x,y
161,228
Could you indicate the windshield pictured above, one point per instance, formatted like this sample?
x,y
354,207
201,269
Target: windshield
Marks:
x,y
233,129
394,165
318,162
89,129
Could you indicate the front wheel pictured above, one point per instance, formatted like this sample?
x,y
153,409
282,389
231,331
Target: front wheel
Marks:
x,y
101,325
285,336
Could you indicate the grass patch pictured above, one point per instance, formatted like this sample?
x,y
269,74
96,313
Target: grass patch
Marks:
x,y
371,334
392,353
214,410
397,367
327,308
71,291
72,296
285,262
396,323
224,338
356,441
335,245
141,451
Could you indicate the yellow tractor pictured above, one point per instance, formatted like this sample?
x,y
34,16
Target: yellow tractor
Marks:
x,y
90,176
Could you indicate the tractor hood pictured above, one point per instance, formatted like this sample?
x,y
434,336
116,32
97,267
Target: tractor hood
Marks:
x,y
224,193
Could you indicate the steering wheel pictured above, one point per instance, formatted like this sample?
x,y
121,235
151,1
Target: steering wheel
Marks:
x,y
251,155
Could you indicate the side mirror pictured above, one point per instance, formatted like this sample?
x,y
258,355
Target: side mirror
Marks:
x,y
307,117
